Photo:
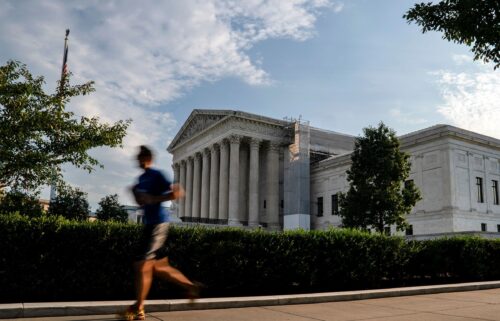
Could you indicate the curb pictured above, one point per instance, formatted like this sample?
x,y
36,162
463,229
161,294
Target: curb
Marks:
x,y
52,309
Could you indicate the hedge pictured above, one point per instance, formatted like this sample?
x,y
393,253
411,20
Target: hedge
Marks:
x,y
45,259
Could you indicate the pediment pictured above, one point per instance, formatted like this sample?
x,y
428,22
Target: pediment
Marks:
x,y
202,119
196,123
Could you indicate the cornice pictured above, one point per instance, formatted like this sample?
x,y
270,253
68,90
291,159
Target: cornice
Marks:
x,y
447,131
335,161
274,127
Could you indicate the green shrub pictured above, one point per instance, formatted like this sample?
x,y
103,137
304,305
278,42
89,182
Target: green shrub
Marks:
x,y
70,202
51,258
16,201
110,209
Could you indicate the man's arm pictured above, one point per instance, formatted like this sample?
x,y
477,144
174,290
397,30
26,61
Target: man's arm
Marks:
x,y
139,197
176,192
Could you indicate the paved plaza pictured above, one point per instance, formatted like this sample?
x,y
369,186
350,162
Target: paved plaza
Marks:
x,y
456,306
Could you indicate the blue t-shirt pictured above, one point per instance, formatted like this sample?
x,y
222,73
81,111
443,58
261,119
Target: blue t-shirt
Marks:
x,y
153,182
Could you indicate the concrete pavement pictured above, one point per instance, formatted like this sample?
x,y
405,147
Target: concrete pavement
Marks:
x,y
452,306
456,306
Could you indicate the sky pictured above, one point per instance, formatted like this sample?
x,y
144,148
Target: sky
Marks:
x,y
342,65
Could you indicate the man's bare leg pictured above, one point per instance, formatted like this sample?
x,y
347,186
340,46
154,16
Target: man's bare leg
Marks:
x,y
144,278
163,269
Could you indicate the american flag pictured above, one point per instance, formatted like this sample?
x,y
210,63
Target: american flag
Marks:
x,y
64,70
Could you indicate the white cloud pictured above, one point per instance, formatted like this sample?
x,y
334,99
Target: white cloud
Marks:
x,y
461,59
337,7
406,117
472,99
144,54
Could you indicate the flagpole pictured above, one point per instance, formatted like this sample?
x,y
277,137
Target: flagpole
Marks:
x,y
64,68
64,71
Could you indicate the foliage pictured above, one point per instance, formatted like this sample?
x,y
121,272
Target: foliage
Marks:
x,y
93,260
39,134
475,23
52,258
376,198
70,203
16,201
110,209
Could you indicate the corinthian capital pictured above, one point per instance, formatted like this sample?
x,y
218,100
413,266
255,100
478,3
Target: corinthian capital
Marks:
x,y
224,144
274,147
235,139
255,143
214,148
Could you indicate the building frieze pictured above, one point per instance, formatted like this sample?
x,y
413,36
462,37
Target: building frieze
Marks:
x,y
222,130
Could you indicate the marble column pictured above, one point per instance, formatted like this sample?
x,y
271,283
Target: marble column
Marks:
x,y
253,184
243,197
273,209
196,187
177,169
234,180
188,203
205,186
182,182
214,183
223,181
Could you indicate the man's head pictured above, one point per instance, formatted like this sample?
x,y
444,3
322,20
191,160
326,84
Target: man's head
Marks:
x,y
145,157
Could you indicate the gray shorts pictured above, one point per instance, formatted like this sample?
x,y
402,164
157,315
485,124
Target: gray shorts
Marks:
x,y
153,240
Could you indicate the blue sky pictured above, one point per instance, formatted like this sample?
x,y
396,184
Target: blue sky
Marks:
x,y
342,65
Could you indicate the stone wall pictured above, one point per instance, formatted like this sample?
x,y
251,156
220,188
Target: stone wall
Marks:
x,y
445,164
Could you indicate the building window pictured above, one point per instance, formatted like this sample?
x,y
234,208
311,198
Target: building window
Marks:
x,y
335,204
282,204
494,186
264,203
409,230
483,227
479,187
320,206
498,228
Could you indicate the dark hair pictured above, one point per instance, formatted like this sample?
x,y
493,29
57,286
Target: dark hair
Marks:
x,y
145,152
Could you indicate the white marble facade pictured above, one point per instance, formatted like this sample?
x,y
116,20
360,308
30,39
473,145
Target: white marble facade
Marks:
x,y
448,163
242,169
230,166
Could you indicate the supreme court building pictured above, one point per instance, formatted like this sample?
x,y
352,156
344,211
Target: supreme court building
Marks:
x,y
242,169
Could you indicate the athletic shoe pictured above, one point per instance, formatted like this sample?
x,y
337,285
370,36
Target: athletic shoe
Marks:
x,y
132,313
193,291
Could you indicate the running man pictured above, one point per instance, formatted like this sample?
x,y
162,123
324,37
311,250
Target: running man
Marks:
x,y
151,190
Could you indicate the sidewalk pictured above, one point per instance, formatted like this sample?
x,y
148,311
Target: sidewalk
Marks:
x,y
466,301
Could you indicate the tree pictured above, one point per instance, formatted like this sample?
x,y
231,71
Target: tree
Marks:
x,y
110,209
377,197
39,134
16,201
70,203
473,22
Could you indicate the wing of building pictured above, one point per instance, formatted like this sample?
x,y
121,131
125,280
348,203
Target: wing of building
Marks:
x,y
242,169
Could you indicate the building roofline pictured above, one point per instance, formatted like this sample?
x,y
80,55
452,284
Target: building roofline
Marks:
x,y
444,130
227,113
425,135
331,132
